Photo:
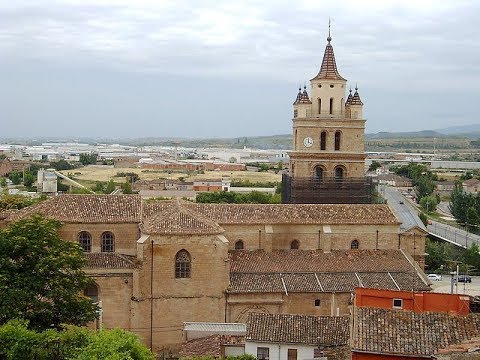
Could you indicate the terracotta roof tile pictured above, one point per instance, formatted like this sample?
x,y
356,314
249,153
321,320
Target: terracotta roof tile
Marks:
x,y
401,332
87,209
299,329
176,219
356,98
330,214
109,261
314,271
328,70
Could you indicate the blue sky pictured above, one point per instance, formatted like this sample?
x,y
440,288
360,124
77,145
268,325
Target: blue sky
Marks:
x,y
122,68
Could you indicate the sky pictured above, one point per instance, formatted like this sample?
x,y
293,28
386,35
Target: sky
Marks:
x,y
200,68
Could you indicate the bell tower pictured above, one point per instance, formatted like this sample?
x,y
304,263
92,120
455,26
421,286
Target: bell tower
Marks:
x,y
327,163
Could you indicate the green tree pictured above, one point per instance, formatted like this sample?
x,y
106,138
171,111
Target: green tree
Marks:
x,y
61,165
28,179
110,187
15,177
3,182
374,165
8,201
41,276
72,343
127,188
429,203
424,187
87,159
438,255
472,216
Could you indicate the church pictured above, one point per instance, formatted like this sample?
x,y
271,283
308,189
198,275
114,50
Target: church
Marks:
x,y
159,264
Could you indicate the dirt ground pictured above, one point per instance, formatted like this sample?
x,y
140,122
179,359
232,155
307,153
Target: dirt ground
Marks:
x,y
105,173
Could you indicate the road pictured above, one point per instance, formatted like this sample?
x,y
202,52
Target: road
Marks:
x,y
445,286
408,215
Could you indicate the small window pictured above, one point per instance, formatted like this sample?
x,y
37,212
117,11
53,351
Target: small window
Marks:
x,y
182,264
319,85
292,354
108,242
338,136
331,86
319,106
339,173
354,244
317,302
397,303
263,353
295,113
239,245
294,245
323,140
331,106
319,172
91,291
85,241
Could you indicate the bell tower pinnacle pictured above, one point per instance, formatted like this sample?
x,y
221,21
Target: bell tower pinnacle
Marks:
x,y
327,163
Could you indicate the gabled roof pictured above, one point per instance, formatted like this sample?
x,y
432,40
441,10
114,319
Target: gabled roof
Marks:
x,y
87,209
109,261
296,271
401,332
328,70
329,214
471,182
299,329
176,219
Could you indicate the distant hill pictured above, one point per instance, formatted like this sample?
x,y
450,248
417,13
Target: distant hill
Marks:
x,y
460,129
409,134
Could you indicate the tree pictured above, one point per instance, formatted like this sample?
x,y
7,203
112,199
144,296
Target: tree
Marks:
x,y
61,165
374,165
28,179
110,187
8,201
41,276
15,177
3,182
232,160
73,343
127,188
429,203
87,159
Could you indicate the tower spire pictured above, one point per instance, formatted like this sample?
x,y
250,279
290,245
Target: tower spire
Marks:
x,y
329,38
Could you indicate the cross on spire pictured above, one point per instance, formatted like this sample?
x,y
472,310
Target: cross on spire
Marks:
x,y
329,38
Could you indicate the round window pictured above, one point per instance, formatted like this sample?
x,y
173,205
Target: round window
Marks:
x,y
331,85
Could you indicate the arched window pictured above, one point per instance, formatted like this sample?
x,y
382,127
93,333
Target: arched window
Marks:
x,y
331,106
85,241
338,136
182,264
318,172
295,244
319,105
91,291
239,245
323,140
341,106
339,173
354,244
317,302
108,242
295,139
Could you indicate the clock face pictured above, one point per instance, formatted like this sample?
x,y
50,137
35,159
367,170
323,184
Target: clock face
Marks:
x,y
308,141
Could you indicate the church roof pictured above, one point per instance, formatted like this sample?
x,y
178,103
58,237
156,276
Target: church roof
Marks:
x,y
109,261
87,209
356,98
296,213
177,219
302,97
328,70
316,271
349,98
299,329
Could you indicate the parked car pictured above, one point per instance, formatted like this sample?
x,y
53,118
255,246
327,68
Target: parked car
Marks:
x,y
464,278
434,277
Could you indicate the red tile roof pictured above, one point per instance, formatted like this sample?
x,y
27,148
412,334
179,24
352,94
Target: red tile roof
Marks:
x,y
294,271
400,332
87,209
330,214
176,219
328,70
109,261
299,329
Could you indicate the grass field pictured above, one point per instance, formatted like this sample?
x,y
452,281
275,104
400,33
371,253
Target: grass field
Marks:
x,y
105,173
